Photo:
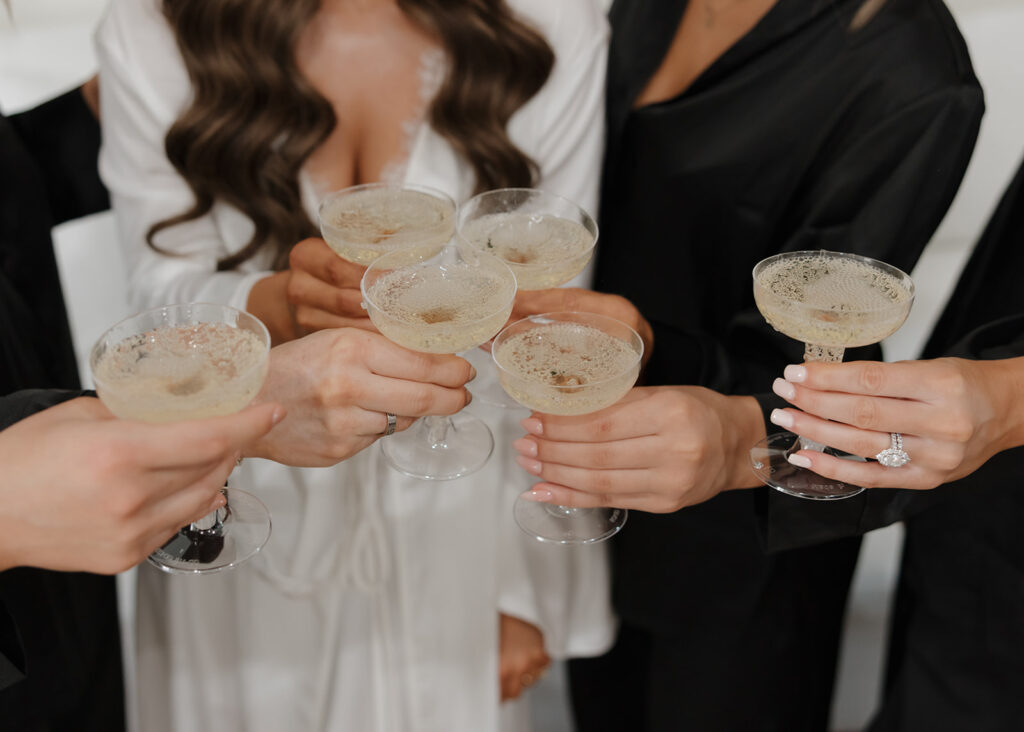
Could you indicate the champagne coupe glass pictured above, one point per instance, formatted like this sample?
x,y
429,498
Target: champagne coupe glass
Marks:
x,y
184,362
831,301
450,302
565,364
363,222
545,239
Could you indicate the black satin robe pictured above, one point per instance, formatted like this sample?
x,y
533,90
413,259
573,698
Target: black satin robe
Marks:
x,y
956,646
804,135
60,653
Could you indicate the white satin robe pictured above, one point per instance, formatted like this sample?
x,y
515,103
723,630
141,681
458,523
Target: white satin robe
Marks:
x,y
374,606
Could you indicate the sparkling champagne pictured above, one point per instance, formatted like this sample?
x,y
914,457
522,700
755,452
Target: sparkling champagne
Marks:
x,y
182,372
441,309
362,223
830,301
566,368
541,249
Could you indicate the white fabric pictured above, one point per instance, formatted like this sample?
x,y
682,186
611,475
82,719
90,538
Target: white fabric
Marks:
x,y
374,606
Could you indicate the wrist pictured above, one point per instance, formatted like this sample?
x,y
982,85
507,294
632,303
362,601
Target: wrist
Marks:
x,y
1004,382
744,426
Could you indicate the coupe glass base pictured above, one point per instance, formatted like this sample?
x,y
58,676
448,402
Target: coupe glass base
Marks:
x,y
243,530
768,458
464,449
564,525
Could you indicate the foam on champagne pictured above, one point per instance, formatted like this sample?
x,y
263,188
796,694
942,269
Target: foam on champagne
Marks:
x,y
182,372
566,368
831,301
543,250
362,225
441,309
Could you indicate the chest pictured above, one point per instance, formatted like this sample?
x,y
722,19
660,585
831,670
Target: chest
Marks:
x,y
374,67
706,31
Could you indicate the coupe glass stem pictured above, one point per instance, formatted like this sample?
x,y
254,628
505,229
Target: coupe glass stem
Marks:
x,y
212,519
826,354
437,430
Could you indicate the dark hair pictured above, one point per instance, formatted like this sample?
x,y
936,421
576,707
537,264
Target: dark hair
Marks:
x,y
254,119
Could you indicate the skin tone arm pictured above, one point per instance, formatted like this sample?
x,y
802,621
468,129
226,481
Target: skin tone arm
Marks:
x,y
84,491
91,95
954,414
522,658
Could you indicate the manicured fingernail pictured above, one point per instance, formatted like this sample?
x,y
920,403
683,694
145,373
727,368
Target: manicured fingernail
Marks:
x,y
279,414
529,465
796,374
472,373
782,419
469,397
217,503
799,460
539,495
533,425
784,389
525,447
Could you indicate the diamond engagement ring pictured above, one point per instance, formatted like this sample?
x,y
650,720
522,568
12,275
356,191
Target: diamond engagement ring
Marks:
x,y
392,424
893,456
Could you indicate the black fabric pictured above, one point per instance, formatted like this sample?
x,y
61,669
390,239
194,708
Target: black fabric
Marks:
x,y
956,646
70,652
48,155
63,137
60,656
804,135
60,650
989,287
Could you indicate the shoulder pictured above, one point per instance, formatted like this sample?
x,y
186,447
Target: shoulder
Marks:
x,y
567,25
922,43
135,29
139,56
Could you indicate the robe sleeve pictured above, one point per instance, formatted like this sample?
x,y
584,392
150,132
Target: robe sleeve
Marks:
x,y
12,655
786,522
63,138
13,408
143,88
561,590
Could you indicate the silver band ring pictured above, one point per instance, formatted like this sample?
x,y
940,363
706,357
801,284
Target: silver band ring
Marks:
x,y
392,424
893,456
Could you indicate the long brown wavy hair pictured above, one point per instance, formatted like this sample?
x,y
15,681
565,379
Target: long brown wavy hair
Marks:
x,y
254,119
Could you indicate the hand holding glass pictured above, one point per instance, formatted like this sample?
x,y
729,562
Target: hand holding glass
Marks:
x,y
567,364
447,303
831,301
186,362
